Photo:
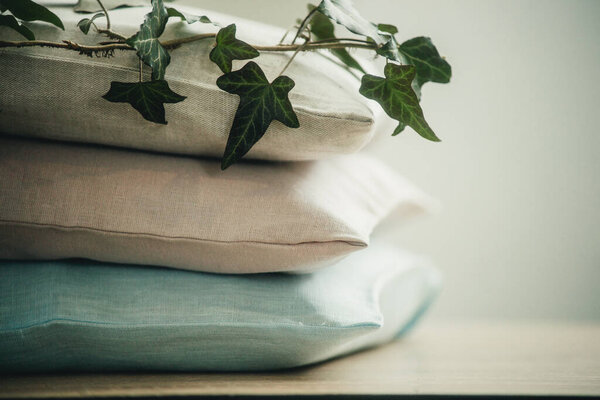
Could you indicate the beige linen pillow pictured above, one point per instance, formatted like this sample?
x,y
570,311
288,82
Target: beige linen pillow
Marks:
x,y
57,94
60,200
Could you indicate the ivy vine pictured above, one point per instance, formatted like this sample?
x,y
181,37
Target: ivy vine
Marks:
x,y
409,65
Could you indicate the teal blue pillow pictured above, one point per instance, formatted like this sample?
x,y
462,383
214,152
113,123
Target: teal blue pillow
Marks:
x,y
85,316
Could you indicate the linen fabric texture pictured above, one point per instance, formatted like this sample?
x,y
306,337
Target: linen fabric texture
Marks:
x,y
57,94
60,200
75,316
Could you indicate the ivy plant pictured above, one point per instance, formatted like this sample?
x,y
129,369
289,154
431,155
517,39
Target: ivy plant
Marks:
x,y
409,65
261,102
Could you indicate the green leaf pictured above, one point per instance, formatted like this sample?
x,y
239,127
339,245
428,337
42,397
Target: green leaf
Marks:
x,y
399,129
395,94
189,18
344,13
391,29
322,28
228,48
421,53
86,23
149,49
11,22
27,10
147,98
261,102
390,49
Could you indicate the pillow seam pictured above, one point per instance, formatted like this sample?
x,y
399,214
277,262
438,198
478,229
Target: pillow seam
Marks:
x,y
69,321
355,243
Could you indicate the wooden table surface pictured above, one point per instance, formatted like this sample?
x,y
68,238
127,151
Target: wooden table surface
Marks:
x,y
460,358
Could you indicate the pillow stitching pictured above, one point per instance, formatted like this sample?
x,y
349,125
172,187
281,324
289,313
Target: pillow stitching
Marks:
x,y
355,243
65,321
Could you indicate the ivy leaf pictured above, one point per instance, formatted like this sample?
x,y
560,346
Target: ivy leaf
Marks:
x,y
395,94
344,13
86,23
261,102
390,49
421,53
322,28
228,48
147,98
11,22
189,18
387,28
401,126
27,10
149,49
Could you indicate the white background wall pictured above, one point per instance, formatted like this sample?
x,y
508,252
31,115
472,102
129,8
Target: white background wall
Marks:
x,y
517,171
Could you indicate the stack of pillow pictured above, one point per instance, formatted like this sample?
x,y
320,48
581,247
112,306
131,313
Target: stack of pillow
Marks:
x,y
187,259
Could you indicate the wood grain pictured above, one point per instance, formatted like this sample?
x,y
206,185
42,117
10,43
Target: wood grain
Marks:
x,y
479,358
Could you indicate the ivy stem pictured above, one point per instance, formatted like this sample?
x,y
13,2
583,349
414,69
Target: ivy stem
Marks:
x,y
284,36
112,34
316,46
68,45
105,14
171,44
108,32
292,58
333,40
304,23
141,70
